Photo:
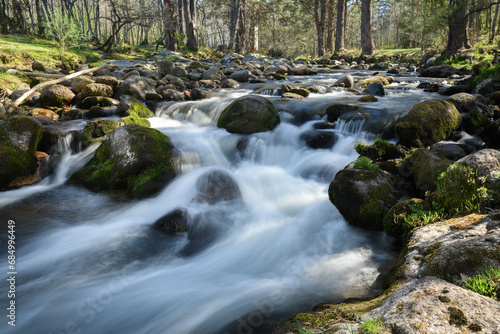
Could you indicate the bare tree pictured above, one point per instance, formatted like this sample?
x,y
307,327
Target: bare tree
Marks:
x,y
189,11
340,28
171,23
319,19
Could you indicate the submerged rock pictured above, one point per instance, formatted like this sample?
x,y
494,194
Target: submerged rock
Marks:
x,y
249,114
216,186
132,157
174,222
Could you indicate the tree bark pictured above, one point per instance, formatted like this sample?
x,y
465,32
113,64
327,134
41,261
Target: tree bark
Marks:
x,y
494,24
319,18
329,25
189,9
171,28
239,46
367,45
457,24
39,19
340,32
233,21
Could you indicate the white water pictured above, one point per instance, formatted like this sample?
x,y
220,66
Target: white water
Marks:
x,y
282,250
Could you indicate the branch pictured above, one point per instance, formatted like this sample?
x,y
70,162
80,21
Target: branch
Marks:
x,y
17,102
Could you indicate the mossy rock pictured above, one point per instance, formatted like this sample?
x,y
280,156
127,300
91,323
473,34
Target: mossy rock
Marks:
x,y
96,130
249,114
427,166
377,78
474,121
134,119
56,96
99,101
380,150
132,157
481,66
131,106
368,98
19,138
428,122
393,222
362,196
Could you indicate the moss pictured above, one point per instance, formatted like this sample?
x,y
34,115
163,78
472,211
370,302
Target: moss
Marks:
x,y
428,122
379,150
464,223
494,253
394,221
444,299
475,327
378,78
141,110
95,131
134,119
368,98
457,316
277,76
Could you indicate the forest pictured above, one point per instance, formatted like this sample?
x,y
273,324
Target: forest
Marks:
x,y
274,27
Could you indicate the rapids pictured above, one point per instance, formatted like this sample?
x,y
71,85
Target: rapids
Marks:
x,y
90,262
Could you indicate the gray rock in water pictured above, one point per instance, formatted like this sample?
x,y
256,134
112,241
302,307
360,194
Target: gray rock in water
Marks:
x,y
216,186
174,222
376,89
346,81
240,76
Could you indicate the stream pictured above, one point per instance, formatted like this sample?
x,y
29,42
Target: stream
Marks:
x,y
91,263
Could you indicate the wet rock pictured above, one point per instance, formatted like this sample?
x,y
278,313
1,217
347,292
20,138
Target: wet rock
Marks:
x,y
171,95
467,103
96,130
216,186
487,87
56,96
129,106
44,113
99,101
368,98
249,114
376,88
428,122
18,142
474,121
336,110
346,81
491,133
362,196
317,139
131,157
373,79
198,94
301,70
97,112
230,83
174,222
134,86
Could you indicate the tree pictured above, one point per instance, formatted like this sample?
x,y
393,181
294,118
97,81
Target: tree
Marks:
x,y
319,19
367,45
189,11
239,45
171,24
340,28
457,27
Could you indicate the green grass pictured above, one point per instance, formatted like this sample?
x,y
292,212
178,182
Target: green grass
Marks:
x,y
365,163
371,326
21,51
420,217
485,283
12,82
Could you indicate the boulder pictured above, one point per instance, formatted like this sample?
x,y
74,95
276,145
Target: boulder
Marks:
x,y
174,222
368,98
249,114
79,82
131,157
44,113
487,87
486,162
230,83
376,88
19,138
36,66
97,89
301,70
427,166
441,71
131,106
450,151
362,196
467,103
318,139
96,131
216,186
428,122
99,101
198,94
240,76
491,133
108,80
179,71
370,80
336,110
394,221
56,96
134,86
346,81
474,121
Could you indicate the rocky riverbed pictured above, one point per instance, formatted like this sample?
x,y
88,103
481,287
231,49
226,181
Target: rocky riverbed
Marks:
x,y
425,171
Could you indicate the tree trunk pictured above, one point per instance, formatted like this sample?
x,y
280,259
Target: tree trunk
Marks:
x,y
457,23
239,46
340,32
494,24
367,45
171,28
189,9
39,19
233,21
329,24
319,18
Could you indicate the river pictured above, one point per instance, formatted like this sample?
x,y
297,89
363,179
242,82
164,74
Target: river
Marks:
x,y
90,262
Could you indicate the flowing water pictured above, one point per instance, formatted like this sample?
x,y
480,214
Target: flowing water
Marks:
x,y
90,262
